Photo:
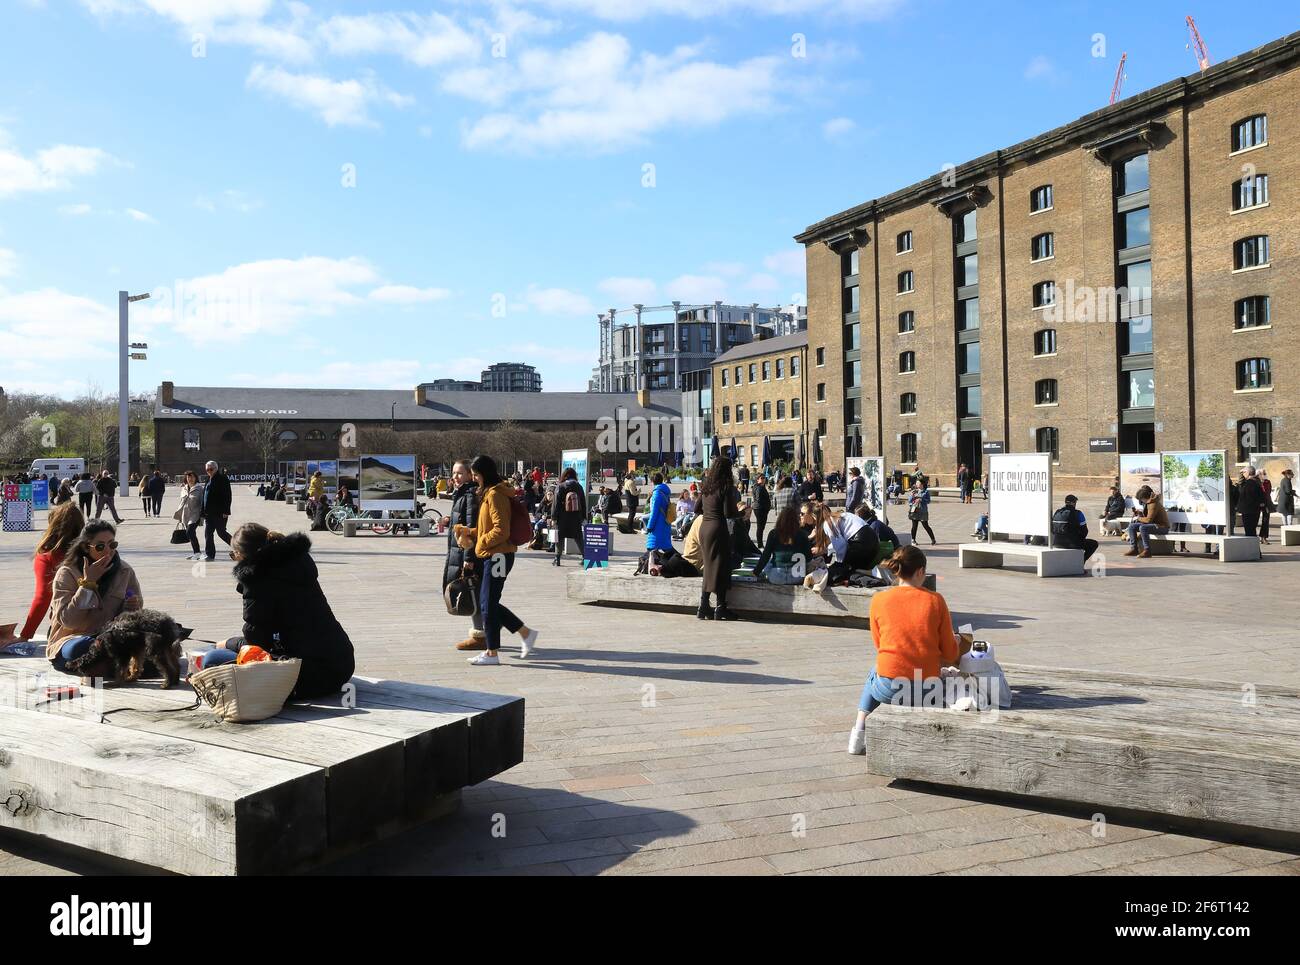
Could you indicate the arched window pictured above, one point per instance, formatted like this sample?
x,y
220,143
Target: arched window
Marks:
x,y
904,242
315,435
907,362
907,447
1250,132
1046,439
905,282
1251,312
1045,392
1040,199
1045,341
906,322
1044,294
1250,192
288,437
1253,435
1250,252
1042,246
1254,374
907,403
232,435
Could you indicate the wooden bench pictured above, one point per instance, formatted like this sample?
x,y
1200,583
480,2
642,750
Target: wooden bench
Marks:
x,y
1232,549
1195,752
619,586
1048,560
1291,535
158,782
356,523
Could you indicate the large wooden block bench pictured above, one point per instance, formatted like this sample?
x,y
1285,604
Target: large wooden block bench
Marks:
x,y
1232,549
357,523
1047,560
158,782
1213,757
619,586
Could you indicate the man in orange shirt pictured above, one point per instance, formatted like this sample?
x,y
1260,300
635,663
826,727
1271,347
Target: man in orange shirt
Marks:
x,y
912,630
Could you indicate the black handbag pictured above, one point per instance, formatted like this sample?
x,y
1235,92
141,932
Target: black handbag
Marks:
x,y
180,535
461,596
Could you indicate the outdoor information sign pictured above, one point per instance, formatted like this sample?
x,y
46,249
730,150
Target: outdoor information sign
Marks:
x,y
578,459
329,471
873,482
388,483
350,475
595,548
1138,469
1272,463
1195,487
17,511
41,494
1020,493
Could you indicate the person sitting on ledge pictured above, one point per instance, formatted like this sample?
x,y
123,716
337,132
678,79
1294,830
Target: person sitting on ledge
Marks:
x,y
92,586
885,535
1114,512
786,552
1154,519
855,544
1070,529
912,630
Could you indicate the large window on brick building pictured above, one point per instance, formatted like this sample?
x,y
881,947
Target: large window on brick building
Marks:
x,y
1254,373
1250,192
964,226
1253,435
907,448
1044,294
907,403
1133,175
1045,392
315,435
1040,199
753,412
1047,439
726,416
1042,247
232,435
1250,132
780,408
905,282
1250,252
288,437
968,314
767,411
794,408
1138,389
970,402
1134,228
190,439
968,358
907,362
904,242
1045,341
906,322
1251,312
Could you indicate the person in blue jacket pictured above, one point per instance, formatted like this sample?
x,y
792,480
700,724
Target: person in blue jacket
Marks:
x,y
658,531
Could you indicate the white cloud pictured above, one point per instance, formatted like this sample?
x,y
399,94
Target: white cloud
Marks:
x,y
838,127
698,289
791,261
75,210
336,102
49,170
596,96
558,301
424,41
629,291
86,328
135,214
408,294
625,10
1041,68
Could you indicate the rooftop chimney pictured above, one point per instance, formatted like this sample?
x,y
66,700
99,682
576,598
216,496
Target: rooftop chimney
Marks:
x,y
420,395
643,398
167,394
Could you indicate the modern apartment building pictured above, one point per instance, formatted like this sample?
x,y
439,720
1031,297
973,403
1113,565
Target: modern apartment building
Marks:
x,y
759,398
1126,283
653,347
510,377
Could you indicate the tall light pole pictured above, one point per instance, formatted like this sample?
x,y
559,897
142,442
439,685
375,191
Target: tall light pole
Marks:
x,y
124,355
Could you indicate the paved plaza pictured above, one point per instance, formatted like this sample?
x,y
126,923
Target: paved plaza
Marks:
x,y
657,743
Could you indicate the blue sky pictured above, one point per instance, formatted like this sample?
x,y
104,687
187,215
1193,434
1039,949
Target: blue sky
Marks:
x,y
204,149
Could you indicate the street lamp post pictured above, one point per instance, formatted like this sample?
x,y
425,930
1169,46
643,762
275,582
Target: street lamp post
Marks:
x,y
125,355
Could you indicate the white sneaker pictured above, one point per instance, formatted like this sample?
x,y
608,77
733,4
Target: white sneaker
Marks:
x,y
530,643
485,660
857,741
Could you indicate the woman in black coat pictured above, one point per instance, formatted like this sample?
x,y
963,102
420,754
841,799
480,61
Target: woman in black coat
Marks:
x,y
568,523
719,502
461,562
285,610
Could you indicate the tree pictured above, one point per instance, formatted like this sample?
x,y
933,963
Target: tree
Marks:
x,y
266,441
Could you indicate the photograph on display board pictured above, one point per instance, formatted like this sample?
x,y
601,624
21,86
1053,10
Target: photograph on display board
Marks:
x,y
329,470
350,475
299,477
578,459
388,482
1273,463
1138,469
873,480
1196,487
1020,493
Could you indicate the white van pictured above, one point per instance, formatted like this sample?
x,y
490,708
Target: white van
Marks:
x,y
57,468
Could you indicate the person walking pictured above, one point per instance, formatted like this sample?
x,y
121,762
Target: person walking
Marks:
x,y
106,489
61,531
743,476
141,485
85,490
216,508
1286,497
1268,508
719,504
157,488
918,508
461,562
855,492
568,511
911,628
190,513
963,483
489,540
762,506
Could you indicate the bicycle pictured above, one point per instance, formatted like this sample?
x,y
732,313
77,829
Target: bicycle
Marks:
x,y
396,516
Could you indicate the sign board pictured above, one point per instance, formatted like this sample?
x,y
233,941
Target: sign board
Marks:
x,y
1020,493
300,477
388,483
990,448
41,494
578,459
595,548
1272,464
350,475
1103,444
329,471
1138,469
17,512
873,482
1195,486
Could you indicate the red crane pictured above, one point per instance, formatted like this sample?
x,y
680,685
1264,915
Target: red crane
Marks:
x,y
1197,45
1119,78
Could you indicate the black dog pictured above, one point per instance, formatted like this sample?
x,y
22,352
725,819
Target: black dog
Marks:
x,y
132,643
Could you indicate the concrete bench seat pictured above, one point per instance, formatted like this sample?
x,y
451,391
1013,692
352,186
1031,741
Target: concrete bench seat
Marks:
x,y
1048,560
1232,549
353,526
620,586
1290,535
158,782
1190,752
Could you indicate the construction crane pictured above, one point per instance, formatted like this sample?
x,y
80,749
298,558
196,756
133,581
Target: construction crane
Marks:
x,y
1197,45
1119,78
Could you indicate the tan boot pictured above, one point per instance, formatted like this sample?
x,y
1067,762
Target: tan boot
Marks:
x,y
1144,555
472,643
1133,551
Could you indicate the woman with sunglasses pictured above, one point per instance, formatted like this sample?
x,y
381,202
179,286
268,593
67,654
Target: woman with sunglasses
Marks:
x,y
92,586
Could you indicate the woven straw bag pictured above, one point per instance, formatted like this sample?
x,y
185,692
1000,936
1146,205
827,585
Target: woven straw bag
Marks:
x,y
247,692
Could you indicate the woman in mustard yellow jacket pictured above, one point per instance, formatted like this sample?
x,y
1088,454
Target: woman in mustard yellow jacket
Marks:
x,y
495,556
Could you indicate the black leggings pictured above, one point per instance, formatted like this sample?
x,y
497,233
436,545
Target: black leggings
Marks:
x,y
926,524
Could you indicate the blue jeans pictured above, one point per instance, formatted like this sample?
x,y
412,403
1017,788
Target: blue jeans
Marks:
x,y
982,527
495,614
1144,529
71,650
883,690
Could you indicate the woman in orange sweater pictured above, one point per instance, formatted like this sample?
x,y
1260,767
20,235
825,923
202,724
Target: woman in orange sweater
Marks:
x,y
912,630
495,558
61,532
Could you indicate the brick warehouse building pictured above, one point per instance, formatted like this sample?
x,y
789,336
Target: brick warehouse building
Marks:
x,y
194,424
759,392
1132,276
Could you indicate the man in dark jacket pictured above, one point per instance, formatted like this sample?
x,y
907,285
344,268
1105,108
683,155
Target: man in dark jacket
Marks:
x,y
157,487
105,491
1114,512
855,491
1070,529
216,509
568,510
810,489
762,506
1250,500
460,562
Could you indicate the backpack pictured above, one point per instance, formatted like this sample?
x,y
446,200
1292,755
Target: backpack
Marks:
x,y
1065,527
521,523
571,502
